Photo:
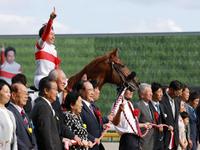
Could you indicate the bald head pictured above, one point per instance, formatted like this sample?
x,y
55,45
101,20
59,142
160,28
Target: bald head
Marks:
x,y
59,77
19,94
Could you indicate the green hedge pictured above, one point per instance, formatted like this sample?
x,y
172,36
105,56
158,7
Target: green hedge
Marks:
x,y
160,58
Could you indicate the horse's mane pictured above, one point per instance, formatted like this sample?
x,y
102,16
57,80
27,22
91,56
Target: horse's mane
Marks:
x,y
92,64
96,61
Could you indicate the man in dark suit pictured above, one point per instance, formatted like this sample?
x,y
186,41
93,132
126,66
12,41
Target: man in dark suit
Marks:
x,y
171,104
194,116
24,128
158,114
60,78
146,115
88,115
44,117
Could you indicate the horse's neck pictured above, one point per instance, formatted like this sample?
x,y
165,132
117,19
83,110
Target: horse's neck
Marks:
x,y
74,79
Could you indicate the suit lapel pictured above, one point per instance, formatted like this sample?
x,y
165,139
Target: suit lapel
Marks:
x,y
18,115
89,111
168,105
176,109
147,111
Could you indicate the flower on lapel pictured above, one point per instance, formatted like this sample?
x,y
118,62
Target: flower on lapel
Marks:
x,y
165,115
98,115
84,126
97,112
156,116
30,130
136,112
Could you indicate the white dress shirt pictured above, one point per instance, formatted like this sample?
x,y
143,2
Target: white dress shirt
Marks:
x,y
123,126
172,103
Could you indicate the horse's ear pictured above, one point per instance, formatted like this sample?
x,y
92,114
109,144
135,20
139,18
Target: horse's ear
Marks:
x,y
114,53
114,56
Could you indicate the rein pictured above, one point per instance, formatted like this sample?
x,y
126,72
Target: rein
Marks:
x,y
120,98
121,74
117,68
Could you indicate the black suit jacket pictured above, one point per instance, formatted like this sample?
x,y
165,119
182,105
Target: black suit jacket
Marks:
x,y
158,135
63,130
170,120
93,126
25,140
45,126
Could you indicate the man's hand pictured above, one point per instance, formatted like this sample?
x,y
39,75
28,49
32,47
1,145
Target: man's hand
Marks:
x,y
97,140
148,125
90,144
190,143
85,143
53,14
65,140
121,107
170,128
110,117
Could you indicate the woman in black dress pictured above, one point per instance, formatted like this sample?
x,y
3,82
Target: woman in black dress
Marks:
x,y
73,104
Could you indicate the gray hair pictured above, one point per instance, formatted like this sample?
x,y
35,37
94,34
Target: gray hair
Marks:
x,y
142,87
53,75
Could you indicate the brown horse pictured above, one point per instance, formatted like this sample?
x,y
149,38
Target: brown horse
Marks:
x,y
106,69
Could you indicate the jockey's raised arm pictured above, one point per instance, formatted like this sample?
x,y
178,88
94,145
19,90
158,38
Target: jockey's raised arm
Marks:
x,y
47,30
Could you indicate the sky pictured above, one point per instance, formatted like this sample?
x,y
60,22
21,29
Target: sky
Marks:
x,y
100,16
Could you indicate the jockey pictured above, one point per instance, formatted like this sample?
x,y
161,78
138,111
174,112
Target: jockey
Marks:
x,y
9,68
46,54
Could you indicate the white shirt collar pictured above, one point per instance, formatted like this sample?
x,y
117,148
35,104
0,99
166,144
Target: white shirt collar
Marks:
x,y
146,103
155,103
19,109
171,99
87,103
48,102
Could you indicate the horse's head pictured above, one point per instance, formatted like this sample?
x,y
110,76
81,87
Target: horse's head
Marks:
x,y
120,74
106,69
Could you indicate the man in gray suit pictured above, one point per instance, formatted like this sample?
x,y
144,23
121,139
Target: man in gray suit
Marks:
x,y
146,115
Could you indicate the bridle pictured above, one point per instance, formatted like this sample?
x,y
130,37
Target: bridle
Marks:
x,y
118,69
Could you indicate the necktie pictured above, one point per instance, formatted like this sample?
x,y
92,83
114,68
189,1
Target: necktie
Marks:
x,y
150,114
91,109
25,120
97,113
173,107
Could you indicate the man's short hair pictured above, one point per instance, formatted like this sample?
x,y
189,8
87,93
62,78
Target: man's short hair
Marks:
x,y
15,87
94,83
45,83
8,49
53,75
19,78
42,29
175,85
142,87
